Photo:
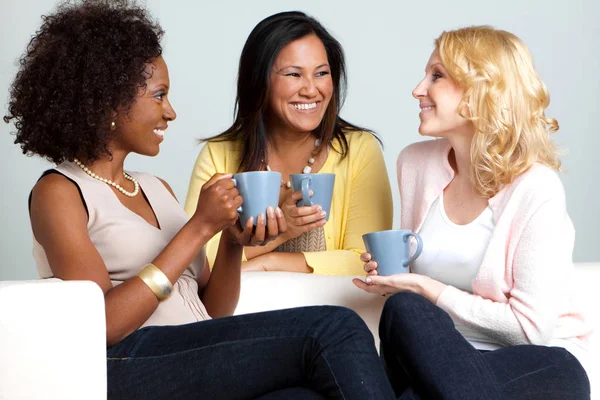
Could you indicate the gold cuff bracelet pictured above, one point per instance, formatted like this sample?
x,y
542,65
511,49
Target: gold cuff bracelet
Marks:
x,y
157,281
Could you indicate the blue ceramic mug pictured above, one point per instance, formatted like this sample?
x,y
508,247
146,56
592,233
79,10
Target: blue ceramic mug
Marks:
x,y
320,184
260,190
391,250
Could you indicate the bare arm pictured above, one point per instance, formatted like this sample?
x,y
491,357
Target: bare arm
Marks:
x,y
59,223
288,262
222,291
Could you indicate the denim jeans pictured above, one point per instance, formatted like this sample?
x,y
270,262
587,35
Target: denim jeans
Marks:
x,y
308,353
297,393
427,358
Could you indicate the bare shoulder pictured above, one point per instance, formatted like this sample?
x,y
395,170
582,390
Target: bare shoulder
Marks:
x,y
59,221
55,203
54,189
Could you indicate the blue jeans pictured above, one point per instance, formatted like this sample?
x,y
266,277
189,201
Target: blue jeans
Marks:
x,y
427,358
303,353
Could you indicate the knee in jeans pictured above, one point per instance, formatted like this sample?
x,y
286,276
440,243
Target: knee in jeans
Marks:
x,y
569,367
407,307
342,317
350,317
405,304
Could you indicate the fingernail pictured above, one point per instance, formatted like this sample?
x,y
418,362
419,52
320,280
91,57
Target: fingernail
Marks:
x,y
319,208
310,192
323,213
279,212
270,212
261,218
368,280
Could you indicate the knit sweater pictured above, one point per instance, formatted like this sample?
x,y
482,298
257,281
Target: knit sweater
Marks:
x,y
361,203
524,290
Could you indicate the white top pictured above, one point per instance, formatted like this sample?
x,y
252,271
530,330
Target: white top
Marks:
x,y
452,254
526,291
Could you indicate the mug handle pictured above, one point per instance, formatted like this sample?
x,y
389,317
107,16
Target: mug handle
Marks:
x,y
235,185
419,247
305,195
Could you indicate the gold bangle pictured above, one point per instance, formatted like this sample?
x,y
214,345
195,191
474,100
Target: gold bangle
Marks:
x,y
157,281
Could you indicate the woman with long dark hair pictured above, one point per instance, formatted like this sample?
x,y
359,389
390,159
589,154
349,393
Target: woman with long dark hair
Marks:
x,y
290,89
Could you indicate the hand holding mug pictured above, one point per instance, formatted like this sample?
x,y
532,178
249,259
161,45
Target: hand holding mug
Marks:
x,y
370,266
267,229
387,262
391,250
260,190
300,219
218,203
392,284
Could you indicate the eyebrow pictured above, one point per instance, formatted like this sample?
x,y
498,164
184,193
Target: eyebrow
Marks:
x,y
161,86
298,67
438,64
149,91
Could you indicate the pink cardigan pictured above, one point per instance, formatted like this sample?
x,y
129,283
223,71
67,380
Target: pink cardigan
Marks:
x,y
523,293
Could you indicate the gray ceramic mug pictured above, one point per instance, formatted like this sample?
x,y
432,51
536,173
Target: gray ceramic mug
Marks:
x,y
391,250
320,184
260,190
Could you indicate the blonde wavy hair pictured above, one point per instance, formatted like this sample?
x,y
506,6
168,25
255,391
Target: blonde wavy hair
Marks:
x,y
505,99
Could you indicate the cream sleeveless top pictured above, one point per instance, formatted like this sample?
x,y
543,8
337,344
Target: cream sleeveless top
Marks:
x,y
126,242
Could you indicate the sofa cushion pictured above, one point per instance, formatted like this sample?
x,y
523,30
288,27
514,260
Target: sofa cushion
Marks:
x,y
264,291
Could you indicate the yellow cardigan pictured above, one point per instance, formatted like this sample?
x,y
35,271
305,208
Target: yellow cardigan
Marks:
x,y
362,199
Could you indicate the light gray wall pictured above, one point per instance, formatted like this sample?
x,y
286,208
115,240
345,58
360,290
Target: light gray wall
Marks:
x,y
387,45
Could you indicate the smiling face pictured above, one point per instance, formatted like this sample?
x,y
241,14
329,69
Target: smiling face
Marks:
x,y
439,97
142,129
300,86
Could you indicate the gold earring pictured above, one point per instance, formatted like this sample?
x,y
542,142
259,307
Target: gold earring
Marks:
x,y
113,126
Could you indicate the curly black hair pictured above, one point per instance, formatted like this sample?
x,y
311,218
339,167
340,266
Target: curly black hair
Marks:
x,y
85,63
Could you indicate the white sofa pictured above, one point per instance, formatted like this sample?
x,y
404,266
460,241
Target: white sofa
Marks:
x,y
52,343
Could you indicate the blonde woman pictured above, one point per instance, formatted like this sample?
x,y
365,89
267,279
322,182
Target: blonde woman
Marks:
x,y
489,310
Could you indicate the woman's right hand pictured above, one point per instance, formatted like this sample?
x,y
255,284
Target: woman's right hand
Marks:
x,y
218,203
370,266
300,219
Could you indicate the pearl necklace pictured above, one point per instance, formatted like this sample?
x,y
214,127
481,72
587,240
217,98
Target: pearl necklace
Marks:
x,y
306,170
136,185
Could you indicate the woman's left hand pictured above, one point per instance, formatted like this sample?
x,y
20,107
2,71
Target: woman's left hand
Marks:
x,y
267,229
300,219
408,282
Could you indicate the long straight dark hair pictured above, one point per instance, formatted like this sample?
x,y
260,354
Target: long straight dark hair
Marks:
x,y
258,55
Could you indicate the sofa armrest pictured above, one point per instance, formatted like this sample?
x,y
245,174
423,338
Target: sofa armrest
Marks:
x,y
52,340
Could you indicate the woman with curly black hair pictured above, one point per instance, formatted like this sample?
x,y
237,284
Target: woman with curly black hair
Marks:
x,y
93,88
